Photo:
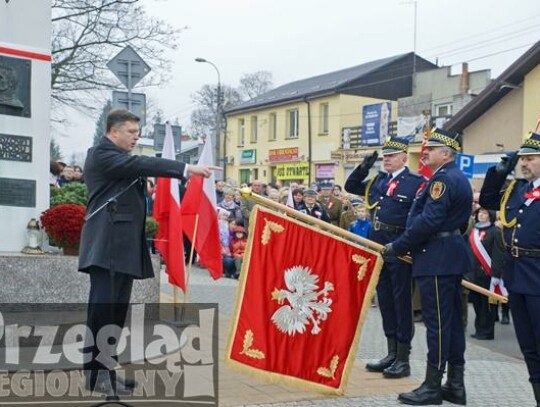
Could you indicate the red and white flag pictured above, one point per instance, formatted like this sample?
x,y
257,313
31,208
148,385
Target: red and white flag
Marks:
x,y
169,239
423,168
199,216
299,315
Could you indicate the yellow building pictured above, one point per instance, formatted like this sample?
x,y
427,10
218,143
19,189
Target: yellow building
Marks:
x,y
290,133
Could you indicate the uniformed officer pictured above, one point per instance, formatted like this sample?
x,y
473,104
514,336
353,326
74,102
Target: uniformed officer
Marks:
x,y
435,225
389,196
332,204
519,208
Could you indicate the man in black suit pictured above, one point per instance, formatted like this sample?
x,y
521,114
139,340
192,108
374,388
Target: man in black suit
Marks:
x,y
113,246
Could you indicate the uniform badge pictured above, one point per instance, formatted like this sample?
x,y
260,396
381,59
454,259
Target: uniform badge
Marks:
x,y
437,190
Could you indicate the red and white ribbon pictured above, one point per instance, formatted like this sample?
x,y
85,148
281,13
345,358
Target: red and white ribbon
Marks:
x,y
475,240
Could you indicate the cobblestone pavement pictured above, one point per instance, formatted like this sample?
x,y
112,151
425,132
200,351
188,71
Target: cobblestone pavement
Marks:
x,y
492,379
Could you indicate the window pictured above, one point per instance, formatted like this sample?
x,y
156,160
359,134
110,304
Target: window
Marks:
x,y
292,123
323,114
443,110
254,129
241,132
272,135
244,176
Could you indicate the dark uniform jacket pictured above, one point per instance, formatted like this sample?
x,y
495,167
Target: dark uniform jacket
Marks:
x,y
437,218
122,243
522,273
317,211
390,210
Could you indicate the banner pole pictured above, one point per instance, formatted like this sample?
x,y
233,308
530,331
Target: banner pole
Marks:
x,y
191,254
248,194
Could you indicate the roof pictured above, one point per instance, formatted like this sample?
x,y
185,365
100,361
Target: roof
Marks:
x,y
341,81
511,78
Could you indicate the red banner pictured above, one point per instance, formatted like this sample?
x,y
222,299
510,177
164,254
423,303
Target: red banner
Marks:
x,y
302,299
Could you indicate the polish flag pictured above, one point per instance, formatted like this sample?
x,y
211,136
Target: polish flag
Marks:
x,y
199,216
423,168
169,239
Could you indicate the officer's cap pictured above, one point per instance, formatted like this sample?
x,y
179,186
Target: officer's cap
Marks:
x,y
310,192
443,138
326,185
356,201
531,145
395,145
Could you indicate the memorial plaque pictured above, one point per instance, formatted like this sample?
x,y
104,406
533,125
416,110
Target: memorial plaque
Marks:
x,y
17,192
15,148
15,74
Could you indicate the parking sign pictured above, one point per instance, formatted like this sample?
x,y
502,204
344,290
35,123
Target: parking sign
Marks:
x,y
465,162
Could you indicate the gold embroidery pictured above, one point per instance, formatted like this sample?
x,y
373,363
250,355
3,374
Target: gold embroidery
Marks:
x,y
247,350
331,370
363,261
502,209
270,227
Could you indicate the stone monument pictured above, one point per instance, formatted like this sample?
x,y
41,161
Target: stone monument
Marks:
x,y
25,94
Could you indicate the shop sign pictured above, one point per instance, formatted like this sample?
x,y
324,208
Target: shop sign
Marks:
x,y
248,157
324,170
292,171
280,155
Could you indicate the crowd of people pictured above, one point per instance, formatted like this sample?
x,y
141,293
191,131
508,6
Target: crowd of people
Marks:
x,y
61,174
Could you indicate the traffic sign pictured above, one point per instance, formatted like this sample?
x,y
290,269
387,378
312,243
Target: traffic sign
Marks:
x,y
128,67
159,137
465,162
134,102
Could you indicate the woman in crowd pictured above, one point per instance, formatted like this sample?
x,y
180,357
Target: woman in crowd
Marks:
x,y
488,252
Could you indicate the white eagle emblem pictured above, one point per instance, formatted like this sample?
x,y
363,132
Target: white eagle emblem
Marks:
x,y
305,306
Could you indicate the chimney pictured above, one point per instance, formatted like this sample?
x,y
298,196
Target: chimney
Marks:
x,y
464,79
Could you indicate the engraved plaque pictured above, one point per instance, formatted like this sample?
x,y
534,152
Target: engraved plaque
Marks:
x,y
17,192
15,148
15,76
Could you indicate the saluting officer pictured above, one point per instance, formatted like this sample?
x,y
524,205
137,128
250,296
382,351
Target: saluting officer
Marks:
x,y
434,237
389,196
519,208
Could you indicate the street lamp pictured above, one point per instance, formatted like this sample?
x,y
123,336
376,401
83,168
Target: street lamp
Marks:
x,y
218,118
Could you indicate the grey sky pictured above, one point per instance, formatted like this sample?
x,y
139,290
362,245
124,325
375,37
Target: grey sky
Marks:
x,y
295,39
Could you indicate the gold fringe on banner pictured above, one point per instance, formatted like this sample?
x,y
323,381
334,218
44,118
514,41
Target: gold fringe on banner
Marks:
x,y
278,378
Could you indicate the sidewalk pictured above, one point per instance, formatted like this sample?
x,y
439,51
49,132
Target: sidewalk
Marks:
x,y
492,379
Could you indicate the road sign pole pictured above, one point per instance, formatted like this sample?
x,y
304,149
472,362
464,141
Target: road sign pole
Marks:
x,y
129,84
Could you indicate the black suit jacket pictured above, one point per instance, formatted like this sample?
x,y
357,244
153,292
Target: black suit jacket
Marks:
x,y
119,243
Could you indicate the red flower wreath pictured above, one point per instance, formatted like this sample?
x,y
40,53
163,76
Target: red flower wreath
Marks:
x,y
64,224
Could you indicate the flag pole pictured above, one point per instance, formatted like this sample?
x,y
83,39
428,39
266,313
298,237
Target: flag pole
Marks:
x,y
191,254
248,194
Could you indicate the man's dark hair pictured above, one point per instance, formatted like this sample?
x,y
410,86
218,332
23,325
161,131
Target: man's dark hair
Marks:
x,y
120,116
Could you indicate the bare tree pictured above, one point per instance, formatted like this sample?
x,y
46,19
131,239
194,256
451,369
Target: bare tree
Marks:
x,y
203,119
86,34
255,84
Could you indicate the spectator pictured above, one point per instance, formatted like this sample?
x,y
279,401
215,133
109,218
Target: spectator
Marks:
x,y
78,174
55,169
230,205
225,241
298,199
150,190
348,215
337,191
219,190
67,176
361,226
238,247
312,207
273,194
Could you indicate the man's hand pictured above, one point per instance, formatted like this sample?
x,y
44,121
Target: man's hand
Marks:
x,y
507,163
368,161
202,170
388,250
